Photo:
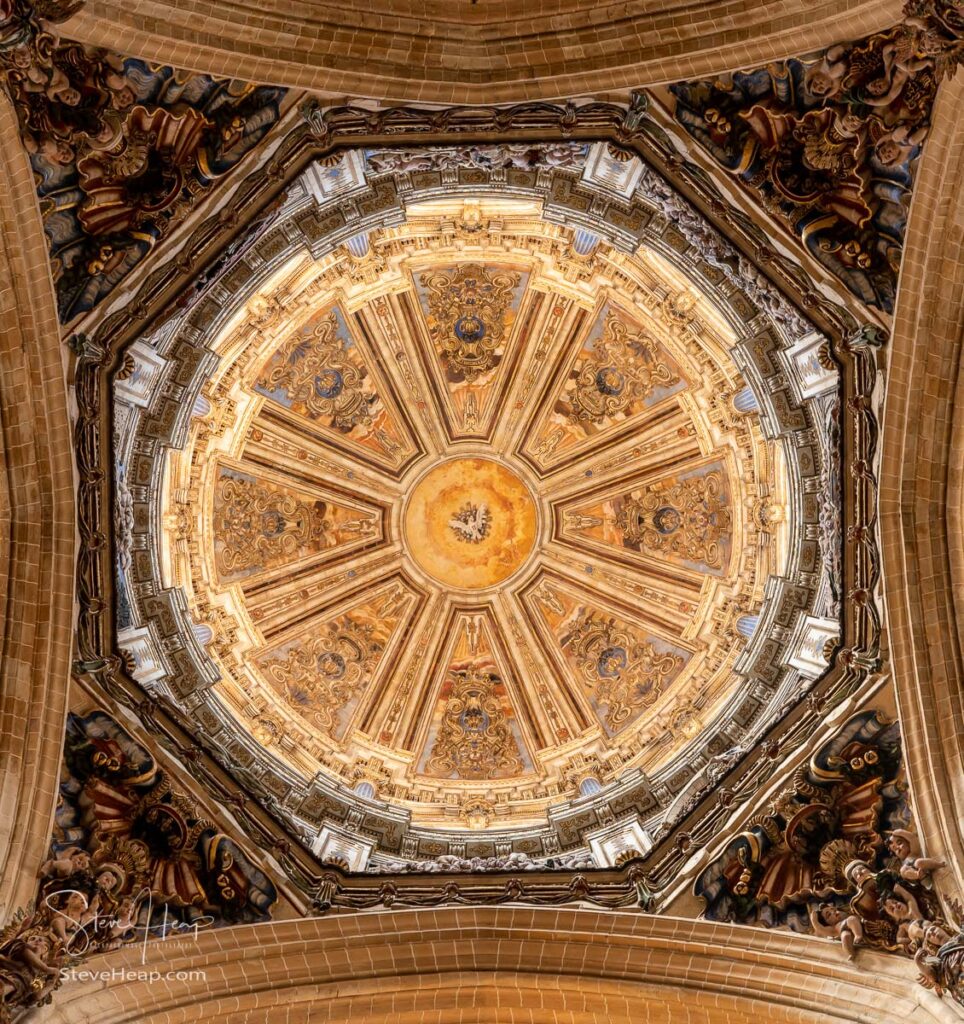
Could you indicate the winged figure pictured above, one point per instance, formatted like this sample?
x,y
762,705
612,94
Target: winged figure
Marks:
x,y
471,523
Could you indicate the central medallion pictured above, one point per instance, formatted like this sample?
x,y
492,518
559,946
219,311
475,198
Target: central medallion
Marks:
x,y
470,523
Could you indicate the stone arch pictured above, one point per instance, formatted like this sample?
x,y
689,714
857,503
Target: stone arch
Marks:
x,y
403,50
921,499
37,529
502,965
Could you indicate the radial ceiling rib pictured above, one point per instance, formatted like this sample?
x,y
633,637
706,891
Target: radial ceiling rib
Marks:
x,y
664,600
390,323
323,375
665,440
287,445
391,720
472,728
561,322
474,323
323,672
564,712
276,609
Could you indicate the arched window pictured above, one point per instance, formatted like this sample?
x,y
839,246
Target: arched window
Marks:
x,y
204,634
584,242
590,786
746,625
365,789
745,401
358,245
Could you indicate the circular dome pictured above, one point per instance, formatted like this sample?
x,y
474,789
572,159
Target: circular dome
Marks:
x,y
472,516
481,527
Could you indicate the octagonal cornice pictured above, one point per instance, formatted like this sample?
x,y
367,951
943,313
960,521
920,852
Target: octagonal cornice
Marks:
x,y
863,624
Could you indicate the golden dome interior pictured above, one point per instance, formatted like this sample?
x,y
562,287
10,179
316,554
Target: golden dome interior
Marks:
x,y
471,516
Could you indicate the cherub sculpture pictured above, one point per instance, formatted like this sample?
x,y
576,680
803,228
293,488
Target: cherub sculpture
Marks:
x,y
913,867
72,914
832,922
928,936
66,863
825,78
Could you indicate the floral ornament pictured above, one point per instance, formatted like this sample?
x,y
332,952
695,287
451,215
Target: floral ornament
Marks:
x,y
521,155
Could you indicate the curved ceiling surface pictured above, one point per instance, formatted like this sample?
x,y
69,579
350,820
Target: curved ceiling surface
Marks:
x,y
475,514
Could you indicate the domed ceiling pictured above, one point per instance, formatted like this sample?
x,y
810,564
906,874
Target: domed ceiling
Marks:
x,y
475,519
476,505
474,511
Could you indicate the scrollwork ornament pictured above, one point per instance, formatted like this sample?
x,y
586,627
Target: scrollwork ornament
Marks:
x,y
468,309
474,739
623,672
688,518
834,856
317,372
828,144
320,675
627,368
255,525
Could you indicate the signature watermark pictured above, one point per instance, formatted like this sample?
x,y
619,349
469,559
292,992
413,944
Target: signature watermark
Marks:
x,y
130,974
84,929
